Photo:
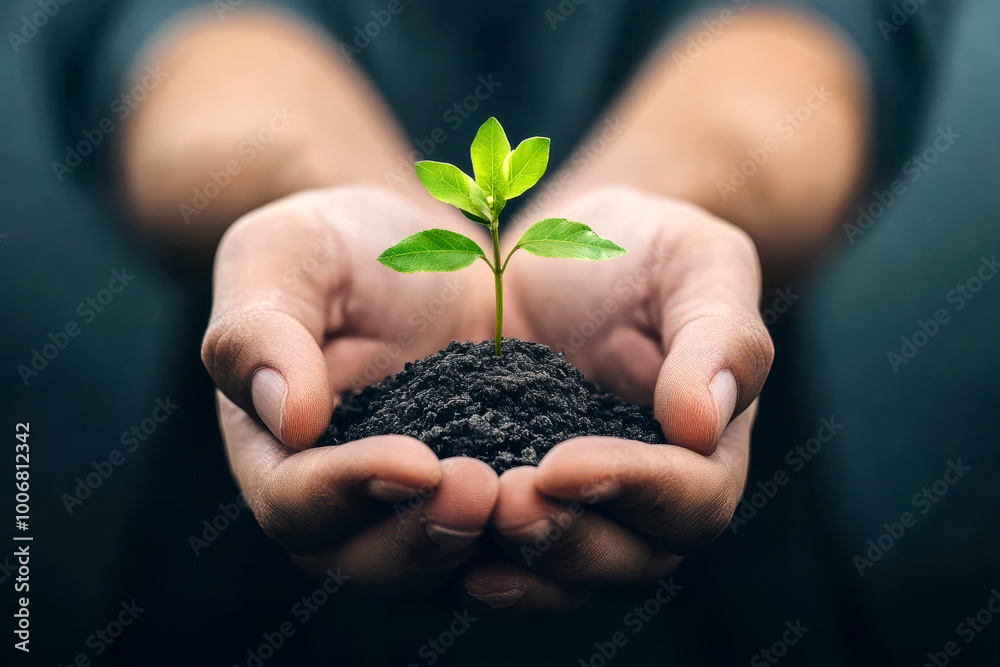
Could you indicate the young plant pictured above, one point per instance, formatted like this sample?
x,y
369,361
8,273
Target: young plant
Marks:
x,y
501,175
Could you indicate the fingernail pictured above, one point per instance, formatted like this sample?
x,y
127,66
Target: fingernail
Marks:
x,y
268,390
535,531
391,492
500,600
544,529
451,539
723,388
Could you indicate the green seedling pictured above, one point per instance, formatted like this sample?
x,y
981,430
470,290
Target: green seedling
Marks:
x,y
501,175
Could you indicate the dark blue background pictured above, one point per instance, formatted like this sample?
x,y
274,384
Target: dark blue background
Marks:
x,y
792,561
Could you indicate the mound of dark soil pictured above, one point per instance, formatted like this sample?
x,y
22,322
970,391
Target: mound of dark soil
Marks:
x,y
507,411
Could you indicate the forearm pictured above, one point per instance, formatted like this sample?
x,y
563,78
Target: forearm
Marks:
x,y
691,124
251,109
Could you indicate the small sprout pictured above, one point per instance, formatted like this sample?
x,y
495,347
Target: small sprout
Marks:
x,y
501,175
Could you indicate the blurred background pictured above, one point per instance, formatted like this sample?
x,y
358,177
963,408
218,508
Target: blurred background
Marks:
x,y
878,404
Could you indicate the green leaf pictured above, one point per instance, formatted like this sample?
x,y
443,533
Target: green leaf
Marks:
x,y
476,218
449,184
558,237
432,250
489,150
525,165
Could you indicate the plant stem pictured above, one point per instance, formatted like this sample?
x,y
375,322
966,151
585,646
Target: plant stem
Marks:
x,y
497,281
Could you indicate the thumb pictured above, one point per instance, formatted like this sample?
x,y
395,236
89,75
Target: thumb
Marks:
x,y
715,367
270,365
262,345
718,351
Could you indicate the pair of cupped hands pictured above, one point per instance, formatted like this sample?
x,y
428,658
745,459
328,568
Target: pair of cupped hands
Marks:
x,y
302,312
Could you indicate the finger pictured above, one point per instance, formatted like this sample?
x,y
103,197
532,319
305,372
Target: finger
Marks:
x,y
419,545
679,498
718,351
384,508
571,542
309,500
262,346
501,584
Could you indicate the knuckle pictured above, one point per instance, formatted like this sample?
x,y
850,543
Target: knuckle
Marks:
x,y
410,531
221,348
742,242
715,516
275,523
757,350
236,234
739,245
571,555
295,530
698,527
687,513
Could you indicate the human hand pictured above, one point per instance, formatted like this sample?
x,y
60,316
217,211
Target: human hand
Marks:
x,y
301,312
674,322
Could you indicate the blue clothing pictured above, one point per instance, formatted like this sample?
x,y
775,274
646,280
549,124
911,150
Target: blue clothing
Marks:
x,y
858,433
